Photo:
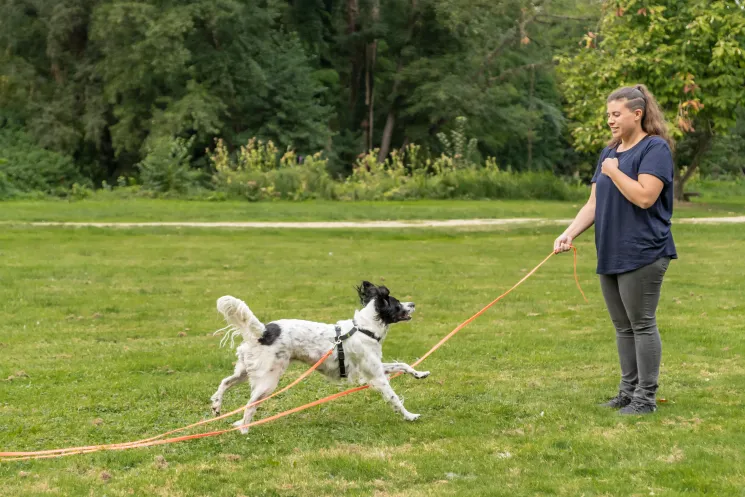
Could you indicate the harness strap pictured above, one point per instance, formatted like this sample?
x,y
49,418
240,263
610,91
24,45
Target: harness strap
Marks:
x,y
340,348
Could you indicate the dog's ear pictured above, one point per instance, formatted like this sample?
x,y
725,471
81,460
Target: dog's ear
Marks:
x,y
383,291
367,291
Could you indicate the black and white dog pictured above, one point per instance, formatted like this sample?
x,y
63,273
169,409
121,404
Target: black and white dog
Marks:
x,y
267,350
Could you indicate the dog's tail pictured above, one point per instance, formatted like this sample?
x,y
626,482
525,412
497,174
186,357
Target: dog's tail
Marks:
x,y
241,321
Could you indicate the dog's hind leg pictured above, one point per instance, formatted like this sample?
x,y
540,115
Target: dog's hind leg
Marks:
x,y
381,385
402,367
261,387
239,376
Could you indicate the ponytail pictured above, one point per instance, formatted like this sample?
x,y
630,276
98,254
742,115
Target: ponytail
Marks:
x,y
653,120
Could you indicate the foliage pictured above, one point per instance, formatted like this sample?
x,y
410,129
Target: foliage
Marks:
x,y
727,155
690,54
257,172
103,81
165,168
457,146
25,167
106,83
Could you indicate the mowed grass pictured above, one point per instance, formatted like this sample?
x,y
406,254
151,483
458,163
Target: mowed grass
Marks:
x,y
104,209
105,337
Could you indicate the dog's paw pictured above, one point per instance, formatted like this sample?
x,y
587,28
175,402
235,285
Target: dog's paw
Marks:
x,y
411,416
216,406
244,431
421,374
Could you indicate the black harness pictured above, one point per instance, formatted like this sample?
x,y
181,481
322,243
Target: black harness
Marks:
x,y
340,349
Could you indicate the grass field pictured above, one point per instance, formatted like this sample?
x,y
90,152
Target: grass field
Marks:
x,y
106,337
148,210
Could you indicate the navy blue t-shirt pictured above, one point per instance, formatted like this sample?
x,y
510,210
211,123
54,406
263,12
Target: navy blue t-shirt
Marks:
x,y
628,237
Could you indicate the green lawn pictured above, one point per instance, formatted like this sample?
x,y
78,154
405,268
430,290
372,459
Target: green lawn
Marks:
x,y
183,210
92,350
720,194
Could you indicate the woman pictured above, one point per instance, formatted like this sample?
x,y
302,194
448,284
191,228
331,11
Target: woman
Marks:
x,y
631,204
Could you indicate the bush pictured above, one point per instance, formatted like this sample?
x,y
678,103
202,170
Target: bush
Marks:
x,y
6,187
26,167
258,173
448,178
166,168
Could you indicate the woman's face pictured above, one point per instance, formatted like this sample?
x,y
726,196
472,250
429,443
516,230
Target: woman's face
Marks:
x,y
622,121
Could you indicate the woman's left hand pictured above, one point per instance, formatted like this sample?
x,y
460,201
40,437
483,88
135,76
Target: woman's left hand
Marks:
x,y
609,165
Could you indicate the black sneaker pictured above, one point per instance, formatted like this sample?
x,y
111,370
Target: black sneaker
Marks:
x,y
617,402
636,407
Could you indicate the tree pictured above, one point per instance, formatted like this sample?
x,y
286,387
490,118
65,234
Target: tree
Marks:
x,y
691,54
103,81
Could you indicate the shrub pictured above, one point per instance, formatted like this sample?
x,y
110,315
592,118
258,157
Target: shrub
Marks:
x,y
258,173
166,168
26,167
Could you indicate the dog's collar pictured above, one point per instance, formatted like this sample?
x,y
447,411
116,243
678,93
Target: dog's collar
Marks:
x,y
364,331
369,333
354,330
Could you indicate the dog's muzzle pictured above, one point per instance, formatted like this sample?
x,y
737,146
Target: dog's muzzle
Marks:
x,y
408,309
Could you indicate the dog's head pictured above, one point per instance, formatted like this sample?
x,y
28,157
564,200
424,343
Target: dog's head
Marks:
x,y
388,308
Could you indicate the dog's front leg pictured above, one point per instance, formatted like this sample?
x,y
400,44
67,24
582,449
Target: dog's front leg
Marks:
x,y
382,385
239,376
402,367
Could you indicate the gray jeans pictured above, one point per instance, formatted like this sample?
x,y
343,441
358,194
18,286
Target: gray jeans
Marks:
x,y
632,300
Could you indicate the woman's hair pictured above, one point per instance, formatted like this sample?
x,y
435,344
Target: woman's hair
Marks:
x,y
653,120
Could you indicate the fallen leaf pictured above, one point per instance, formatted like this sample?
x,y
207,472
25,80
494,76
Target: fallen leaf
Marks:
x,y
17,375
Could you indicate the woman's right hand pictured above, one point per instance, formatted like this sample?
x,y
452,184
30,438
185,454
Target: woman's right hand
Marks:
x,y
563,243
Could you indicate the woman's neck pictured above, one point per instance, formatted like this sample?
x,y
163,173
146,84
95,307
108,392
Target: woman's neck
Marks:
x,y
629,141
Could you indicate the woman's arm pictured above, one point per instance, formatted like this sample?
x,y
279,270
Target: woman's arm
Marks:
x,y
642,193
584,219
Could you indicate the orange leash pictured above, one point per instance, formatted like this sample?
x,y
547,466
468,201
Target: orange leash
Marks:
x,y
469,320
159,440
126,445
87,450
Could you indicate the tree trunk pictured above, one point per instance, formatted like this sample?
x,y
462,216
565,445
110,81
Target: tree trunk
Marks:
x,y
390,122
372,51
352,14
385,142
702,146
531,107
370,93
